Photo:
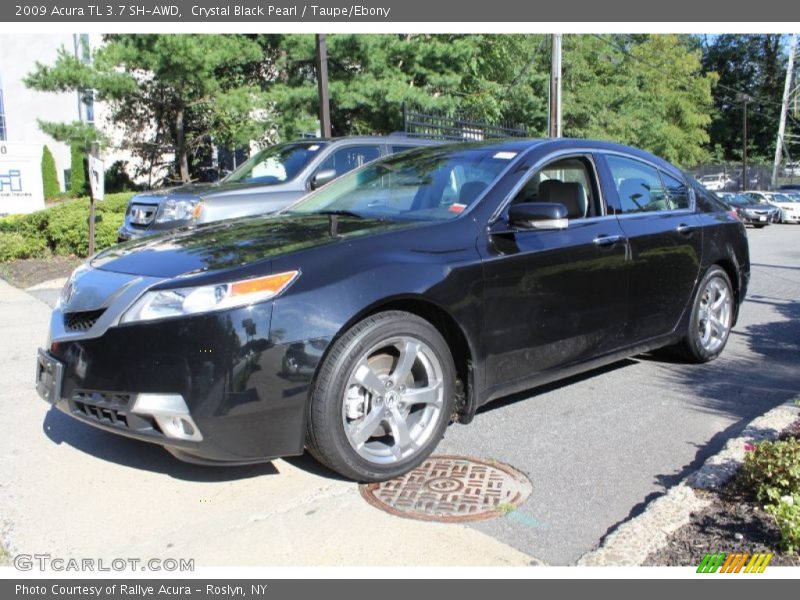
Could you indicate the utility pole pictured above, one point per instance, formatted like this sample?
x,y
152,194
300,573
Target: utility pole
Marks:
x,y
744,99
554,128
784,109
322,86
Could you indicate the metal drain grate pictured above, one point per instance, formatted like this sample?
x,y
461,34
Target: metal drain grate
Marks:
x,y
451,489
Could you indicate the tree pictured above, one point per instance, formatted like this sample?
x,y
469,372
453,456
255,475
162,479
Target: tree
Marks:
x,y
754,65
645,90
169,94
78,183
49,174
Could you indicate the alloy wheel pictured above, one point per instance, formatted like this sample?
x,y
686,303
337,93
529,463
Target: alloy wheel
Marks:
x,y
714,314
393,400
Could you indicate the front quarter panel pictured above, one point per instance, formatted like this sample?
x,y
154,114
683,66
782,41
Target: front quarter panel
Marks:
x,y
338,286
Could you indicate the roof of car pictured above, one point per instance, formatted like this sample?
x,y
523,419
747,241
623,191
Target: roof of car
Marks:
x,y
507,144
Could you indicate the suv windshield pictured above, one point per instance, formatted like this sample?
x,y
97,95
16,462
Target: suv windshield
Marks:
x,y
428,184
276,164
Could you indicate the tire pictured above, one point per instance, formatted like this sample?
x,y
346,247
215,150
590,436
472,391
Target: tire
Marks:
x,y
382,399
704,340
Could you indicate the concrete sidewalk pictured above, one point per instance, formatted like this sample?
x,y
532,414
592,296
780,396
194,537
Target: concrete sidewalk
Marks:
x,y
73,491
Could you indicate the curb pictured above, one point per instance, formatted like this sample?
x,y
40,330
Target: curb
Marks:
x,y
633,541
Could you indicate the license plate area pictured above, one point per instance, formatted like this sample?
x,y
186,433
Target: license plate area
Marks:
x,y
49,375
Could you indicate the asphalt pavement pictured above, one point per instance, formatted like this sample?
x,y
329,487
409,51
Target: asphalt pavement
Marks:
x,y
597,448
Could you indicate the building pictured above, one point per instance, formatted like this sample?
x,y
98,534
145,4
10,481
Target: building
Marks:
x,y
20,107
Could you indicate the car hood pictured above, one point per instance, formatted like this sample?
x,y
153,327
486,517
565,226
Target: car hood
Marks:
x,y
235,243
202,190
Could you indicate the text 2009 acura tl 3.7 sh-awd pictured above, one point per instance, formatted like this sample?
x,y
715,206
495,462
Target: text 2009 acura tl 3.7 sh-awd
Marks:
x,y
358,322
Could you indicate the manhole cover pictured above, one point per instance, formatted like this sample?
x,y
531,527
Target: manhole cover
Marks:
x,y
450,489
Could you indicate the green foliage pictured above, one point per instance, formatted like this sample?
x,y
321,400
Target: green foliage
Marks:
x,y
178,94
78,182
787,518
62,229
755,65
646,90
49,174
169,93
772,470
14,245
118,180
75,134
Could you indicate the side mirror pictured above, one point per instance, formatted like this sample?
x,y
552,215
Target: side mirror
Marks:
x,y
322,177
538,215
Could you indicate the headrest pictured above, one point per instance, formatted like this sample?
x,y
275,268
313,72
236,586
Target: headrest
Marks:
x,y
569,193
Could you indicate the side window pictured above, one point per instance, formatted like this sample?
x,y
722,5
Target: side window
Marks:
x,y
638,185
707,201
346,159
677,192
569,181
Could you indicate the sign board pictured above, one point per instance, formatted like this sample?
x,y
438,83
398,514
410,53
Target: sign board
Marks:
x,y
96,177
21,189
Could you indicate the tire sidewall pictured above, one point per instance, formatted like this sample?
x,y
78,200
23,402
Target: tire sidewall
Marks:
x,y
330,392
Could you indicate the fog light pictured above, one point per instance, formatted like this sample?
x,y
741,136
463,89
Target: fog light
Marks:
x,y
170,413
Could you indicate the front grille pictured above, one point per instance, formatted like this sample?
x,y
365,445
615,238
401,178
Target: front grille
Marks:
x,y
82,320
142,214
114,409
105,407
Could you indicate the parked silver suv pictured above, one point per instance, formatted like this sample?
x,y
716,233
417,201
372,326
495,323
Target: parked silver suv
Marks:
x,y
271,179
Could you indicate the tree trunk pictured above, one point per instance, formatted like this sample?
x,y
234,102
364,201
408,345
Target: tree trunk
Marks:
x,y
181,154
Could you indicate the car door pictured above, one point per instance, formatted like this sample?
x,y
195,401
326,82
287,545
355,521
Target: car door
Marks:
x,y
656,214
553,297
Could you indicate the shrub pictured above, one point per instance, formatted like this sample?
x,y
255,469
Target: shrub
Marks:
x,y
78,183
49,174
787,518
62,229
14,245
772,470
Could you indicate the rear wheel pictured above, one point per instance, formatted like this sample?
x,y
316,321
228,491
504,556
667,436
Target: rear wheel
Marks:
x,y
383,398
712,318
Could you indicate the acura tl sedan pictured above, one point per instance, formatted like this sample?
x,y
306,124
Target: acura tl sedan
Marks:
x,y
360,321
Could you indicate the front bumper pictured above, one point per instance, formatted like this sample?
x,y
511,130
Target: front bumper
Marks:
x,y
126,233
790,217
242,397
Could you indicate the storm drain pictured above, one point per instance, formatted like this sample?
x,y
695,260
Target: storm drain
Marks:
x,y
451,489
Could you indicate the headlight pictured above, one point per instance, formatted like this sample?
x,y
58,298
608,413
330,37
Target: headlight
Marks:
x,y
162,304
178,210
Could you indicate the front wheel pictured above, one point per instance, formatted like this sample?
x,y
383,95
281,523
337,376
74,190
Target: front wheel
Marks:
x,y
383,397
712,317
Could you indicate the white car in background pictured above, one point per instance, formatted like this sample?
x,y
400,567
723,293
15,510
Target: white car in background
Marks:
x,y
716,182
789,207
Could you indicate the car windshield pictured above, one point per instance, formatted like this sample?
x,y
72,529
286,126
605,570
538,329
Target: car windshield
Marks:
x,y
739,199
780,198
428,184
276,164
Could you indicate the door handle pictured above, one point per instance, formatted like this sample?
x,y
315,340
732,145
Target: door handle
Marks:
x,y
607,240
685,229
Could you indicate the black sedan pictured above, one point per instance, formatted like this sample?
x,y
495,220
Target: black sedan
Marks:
x,y
363,319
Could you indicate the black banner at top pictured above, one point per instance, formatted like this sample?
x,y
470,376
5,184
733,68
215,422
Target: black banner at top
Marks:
x,y
397,11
